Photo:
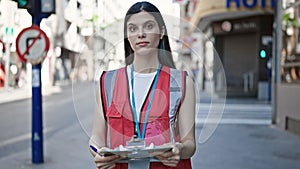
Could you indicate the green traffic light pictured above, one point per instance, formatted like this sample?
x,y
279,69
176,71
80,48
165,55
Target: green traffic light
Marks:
x,y
22,3
263,54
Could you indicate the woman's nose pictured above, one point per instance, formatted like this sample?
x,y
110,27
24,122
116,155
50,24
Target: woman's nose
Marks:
x,y
141,33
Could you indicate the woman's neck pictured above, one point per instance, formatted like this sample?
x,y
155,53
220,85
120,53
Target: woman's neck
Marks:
x,y
145,64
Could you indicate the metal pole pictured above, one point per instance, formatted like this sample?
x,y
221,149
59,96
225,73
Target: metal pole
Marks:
x,y
276,76
37,116
7,64
37,109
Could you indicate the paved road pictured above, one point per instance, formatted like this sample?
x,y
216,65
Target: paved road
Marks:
x,y
244,138
65,129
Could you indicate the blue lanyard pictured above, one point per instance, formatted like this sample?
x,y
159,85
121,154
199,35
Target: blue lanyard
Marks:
x,y
136,122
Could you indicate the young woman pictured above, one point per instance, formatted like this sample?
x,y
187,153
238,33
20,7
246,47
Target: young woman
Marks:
x,y
148,98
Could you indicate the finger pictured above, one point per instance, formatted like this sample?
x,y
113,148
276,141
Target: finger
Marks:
x,y
99,158
105,165
169,163
161,157
175,150
102,165
174,158
112,166
108,162
166,154
170,157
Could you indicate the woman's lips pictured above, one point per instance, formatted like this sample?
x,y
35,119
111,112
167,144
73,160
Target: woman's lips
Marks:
x,y
142,44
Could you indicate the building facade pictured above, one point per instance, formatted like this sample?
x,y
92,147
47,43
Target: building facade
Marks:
x,y
286,101
239,31
258,44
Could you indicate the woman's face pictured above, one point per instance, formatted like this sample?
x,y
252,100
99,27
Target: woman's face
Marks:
x,y
143,33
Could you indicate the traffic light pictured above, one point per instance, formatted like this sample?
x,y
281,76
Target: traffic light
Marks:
x,y
44,6
22,3
263,54
265,51
25,4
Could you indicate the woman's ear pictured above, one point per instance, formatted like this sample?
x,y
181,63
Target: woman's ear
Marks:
x,y
163,29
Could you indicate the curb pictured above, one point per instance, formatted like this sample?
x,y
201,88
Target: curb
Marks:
x,y
16,94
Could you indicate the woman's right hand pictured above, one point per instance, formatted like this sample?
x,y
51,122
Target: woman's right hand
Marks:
x,y
106,162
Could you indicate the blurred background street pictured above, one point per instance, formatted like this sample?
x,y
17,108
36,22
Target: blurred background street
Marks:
x,y
244,57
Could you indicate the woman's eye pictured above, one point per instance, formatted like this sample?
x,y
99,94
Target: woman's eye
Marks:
x,y
149,26
132,28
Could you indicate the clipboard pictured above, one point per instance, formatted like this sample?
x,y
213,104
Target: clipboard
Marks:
x,y
135,153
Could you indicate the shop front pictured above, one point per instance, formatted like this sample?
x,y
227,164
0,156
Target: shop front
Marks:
x,y
239,31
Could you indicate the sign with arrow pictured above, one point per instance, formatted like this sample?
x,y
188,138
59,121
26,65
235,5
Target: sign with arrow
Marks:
x,y
32,44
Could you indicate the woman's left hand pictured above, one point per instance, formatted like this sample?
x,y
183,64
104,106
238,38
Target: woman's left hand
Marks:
x,y
172,157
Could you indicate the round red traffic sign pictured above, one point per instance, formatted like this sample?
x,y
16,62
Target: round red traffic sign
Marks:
x,y
32,44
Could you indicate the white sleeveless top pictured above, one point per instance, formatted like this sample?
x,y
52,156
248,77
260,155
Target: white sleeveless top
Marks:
x,y
142,83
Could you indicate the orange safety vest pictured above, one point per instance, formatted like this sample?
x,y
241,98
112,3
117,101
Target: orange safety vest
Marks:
x,y
166,102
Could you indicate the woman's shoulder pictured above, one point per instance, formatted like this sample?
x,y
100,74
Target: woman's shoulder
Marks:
x,y
114,70
111,72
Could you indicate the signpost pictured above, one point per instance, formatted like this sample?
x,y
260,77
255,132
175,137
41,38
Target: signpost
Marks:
x,y
32,45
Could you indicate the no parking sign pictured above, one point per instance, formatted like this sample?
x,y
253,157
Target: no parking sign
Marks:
x,y
32,44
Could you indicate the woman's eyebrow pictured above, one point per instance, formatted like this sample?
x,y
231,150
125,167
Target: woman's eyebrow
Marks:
x,y
150,21
130,24
135,23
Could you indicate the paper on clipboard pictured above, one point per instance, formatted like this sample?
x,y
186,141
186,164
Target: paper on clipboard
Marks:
x,y
136,153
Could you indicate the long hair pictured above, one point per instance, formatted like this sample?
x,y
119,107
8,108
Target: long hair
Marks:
x,y
164,54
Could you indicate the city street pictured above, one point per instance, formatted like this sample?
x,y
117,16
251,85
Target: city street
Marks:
x,y
248,51
244,138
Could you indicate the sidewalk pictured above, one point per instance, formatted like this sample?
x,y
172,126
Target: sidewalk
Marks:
x,y
248,147
15,94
